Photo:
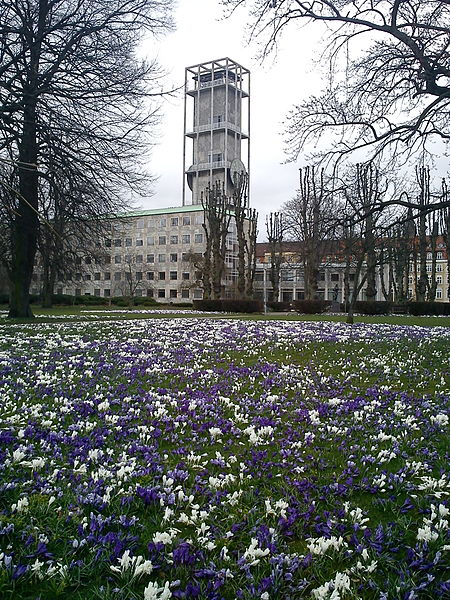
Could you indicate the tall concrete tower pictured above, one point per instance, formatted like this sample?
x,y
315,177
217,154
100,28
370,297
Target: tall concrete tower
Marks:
x,y
216,125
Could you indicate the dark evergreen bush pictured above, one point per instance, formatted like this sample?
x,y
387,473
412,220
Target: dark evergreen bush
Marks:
x,y
233,306
279,306
367,307
429,308
311,307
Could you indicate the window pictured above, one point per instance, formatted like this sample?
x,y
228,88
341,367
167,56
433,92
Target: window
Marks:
x,y
139,259
174,239
161,293
150,276
88,260
438,294
117,276
140,224
186,238
428,268
128,276
322,276
173,275
150,241
78,292
162,275
185,257
173,293
174,257
174,221
128,242
438,255
287,275
139,242
108,243
96,277
107,292
185,293
198,294
187,220
428,255
107,259
198,238
87,277
118,243
439,279
77,276
161,258
150,293
334,276
198,219
162,222
150,258
217,118
162,240
107,276
215,157
186,276
138,275
97,292
438,268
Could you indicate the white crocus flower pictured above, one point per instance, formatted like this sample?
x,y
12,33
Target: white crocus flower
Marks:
x,y
154,592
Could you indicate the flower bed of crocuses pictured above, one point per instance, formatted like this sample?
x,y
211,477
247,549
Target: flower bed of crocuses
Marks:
x,y
223,459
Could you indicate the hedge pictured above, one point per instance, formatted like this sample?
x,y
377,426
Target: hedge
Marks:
x,y
233,306
279,306
311,307
367,307
428,308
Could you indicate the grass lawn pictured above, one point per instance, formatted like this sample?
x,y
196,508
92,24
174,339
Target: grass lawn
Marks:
x,y
224,458
166,311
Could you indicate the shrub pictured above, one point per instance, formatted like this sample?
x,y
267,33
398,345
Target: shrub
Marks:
x,y
225,305
372,307
279,306
428,308
181,304
311,307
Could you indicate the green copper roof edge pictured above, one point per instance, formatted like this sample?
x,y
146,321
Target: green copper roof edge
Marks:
x,y
157,211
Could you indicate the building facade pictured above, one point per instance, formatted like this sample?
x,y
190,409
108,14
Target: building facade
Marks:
x,y
146,253
331,282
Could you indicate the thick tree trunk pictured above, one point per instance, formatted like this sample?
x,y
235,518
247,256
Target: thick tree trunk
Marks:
x,y
48,286
26,223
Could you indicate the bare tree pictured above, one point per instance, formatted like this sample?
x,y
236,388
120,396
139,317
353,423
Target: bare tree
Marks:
x,y
308,219
240,210
252,235
274,228
68,71
362,231
216,226
445,229
423,200
394,93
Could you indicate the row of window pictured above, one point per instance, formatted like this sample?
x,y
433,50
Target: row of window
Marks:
x,y
150,293
130,259
159,222
138,275
438,279
152,240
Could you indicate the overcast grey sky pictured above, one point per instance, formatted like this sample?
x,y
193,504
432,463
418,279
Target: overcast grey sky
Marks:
x,y
202,35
